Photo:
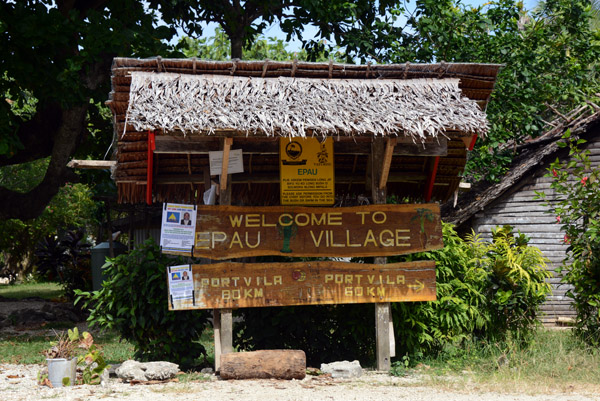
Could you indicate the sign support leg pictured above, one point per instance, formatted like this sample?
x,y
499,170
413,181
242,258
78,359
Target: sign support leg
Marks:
x,y
378,193
224,334
217,334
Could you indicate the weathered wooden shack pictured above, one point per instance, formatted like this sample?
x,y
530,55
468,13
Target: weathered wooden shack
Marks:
x,y
513,200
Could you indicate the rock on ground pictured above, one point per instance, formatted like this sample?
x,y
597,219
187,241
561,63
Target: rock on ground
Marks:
x,y
145,371
342,369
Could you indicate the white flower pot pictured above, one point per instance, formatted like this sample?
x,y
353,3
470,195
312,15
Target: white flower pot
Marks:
x,y
60,368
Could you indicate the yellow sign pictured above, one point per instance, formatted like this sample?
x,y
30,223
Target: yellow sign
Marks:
x,y
306,171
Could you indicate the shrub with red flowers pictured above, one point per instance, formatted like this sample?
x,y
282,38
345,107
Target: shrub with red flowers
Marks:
x,y
576,205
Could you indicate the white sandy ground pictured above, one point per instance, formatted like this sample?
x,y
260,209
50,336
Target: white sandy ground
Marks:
x,y
371,386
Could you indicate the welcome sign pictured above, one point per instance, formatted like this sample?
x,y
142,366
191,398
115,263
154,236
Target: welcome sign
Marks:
x,y
224,232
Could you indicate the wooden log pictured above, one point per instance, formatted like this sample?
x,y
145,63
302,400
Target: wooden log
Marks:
x,y
265,364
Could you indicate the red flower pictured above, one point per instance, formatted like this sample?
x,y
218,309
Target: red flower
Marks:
x,y
584,181
567,240
554,173
558,219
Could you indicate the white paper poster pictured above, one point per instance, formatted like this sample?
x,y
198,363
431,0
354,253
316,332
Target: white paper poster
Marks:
x,y
181,283
235,165
178,228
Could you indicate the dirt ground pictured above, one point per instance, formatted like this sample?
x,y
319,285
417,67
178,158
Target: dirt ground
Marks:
x,y
19,382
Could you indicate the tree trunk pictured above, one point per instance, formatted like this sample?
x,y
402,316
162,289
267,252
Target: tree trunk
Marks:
x,y
237,43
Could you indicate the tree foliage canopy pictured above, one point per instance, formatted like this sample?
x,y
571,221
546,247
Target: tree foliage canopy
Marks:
x,y
56,58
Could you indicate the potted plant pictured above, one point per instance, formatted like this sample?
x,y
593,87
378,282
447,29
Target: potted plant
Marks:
x,y
62,363
69,351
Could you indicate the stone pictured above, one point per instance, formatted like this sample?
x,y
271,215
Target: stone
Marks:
x,y
145,371
104,378
342,369
207,371
112,371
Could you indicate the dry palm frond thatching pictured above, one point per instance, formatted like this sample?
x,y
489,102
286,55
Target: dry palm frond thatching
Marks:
x,y
419,108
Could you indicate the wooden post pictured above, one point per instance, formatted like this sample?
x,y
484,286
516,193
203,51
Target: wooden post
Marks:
x,y
387,162
149,168
382,310
222,318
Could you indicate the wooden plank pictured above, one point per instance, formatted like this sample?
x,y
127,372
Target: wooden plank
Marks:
x,y
243,285
225,165
375,230
268,178
387,161
92,164
517,208
224,316
536,235
383,335
501,220
217,338
521,225
269,146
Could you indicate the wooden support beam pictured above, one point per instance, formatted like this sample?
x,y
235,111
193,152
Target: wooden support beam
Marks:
x,y
390,143
382,310
469,141
431,179
262,146
225,165
224,317
269,178
92,164
226,331
217,336
149,169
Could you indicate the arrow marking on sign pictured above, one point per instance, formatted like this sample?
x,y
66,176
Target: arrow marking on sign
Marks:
x,y
417,287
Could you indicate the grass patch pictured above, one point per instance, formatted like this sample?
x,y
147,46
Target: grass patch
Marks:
x,y
25,290
27,349
555,361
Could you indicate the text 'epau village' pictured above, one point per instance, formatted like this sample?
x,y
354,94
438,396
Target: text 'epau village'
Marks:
x,y
296,160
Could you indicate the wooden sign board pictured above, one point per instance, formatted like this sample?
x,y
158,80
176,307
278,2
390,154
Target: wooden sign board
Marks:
x,y
242,285
224,232
306,171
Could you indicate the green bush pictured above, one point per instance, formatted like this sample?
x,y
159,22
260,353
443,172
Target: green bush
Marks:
x,y
133,301
577,208
515,283
425,327
491,290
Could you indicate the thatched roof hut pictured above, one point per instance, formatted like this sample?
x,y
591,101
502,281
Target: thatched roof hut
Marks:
x,y
432,109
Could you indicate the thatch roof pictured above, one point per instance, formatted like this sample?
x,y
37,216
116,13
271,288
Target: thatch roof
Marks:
x,y
285,106
531,156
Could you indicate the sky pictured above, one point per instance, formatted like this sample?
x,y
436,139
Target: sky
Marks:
x,y
310,31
